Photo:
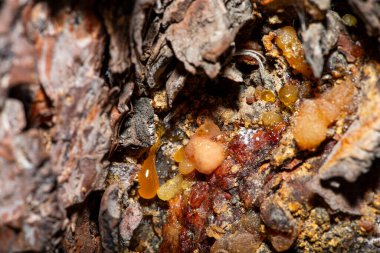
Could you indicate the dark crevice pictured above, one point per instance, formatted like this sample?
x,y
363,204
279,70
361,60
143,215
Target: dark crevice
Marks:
x,y
355,192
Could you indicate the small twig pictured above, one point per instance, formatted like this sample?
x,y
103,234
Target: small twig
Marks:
x,y
258,57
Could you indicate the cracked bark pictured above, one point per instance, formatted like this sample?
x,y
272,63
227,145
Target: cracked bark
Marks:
x,y
87,86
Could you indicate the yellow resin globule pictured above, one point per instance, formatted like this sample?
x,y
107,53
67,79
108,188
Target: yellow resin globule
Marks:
x,y
271,118
186,166
147,177
179,156
170,188
288,94
268,96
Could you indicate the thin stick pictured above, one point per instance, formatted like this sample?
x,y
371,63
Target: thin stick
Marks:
x,y
256,55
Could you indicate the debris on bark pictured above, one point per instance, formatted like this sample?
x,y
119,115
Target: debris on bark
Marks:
x,y
87,87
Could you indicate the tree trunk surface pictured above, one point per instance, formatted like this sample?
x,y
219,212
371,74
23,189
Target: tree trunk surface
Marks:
x,y
272,105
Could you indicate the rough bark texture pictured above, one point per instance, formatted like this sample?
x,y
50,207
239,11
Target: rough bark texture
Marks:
x,y
87,87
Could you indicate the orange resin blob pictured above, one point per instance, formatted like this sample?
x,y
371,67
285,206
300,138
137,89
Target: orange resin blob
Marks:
x,y
310,127
170,188
288,94
268,96
316,115
147,177
186,166
271,119
208,128
292,49
205,154
179,155
202,153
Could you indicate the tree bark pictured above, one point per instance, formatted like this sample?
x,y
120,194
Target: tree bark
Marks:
x,y
88,87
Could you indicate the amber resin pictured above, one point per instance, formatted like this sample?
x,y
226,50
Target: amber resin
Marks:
x,y
292,49
202,152
147,177
288,94
271,118
268,96
316,115
170,188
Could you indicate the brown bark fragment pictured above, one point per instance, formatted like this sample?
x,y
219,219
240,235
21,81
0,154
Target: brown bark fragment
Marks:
x,y
204,34
174,84
109,218
369,11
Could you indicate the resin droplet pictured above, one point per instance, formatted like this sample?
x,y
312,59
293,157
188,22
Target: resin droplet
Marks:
x,y
171,188
179,155
292,49
268,96
288,94
349,20
208,128
205,154
147,177
271,118
186,167
316,115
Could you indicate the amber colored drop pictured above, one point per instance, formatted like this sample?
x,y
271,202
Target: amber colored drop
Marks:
x,y
292,49
186,167
310,127
271,118
201,153
147,177
349,20
268,96
205,154
288,94
316,115
208,128
179,155
170,188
